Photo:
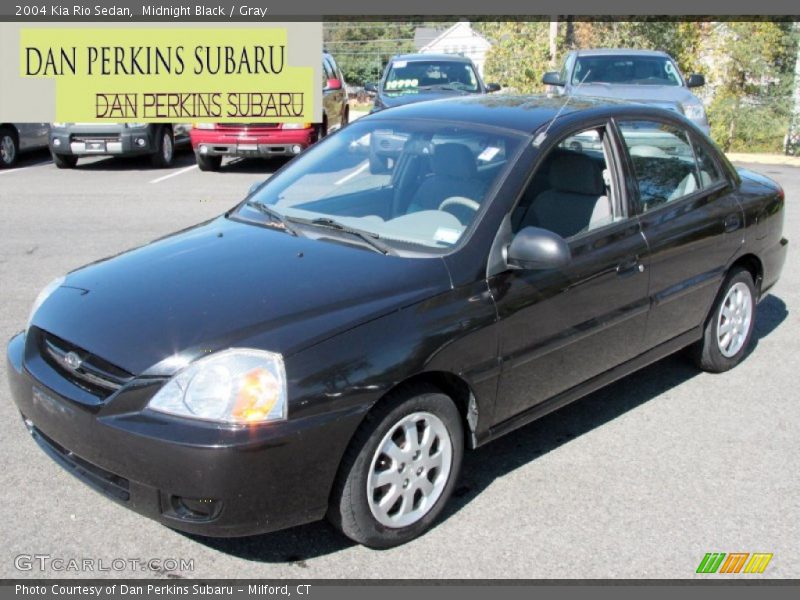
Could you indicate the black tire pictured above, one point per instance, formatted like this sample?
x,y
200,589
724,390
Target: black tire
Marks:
x,y
349,509
164,155
708,353
208,163
64,161
9,147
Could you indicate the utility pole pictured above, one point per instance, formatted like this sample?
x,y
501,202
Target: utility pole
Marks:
x,y
792,143
553,40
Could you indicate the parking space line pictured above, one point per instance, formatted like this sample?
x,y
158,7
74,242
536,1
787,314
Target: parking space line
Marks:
x,y
184,170
347,178
26,167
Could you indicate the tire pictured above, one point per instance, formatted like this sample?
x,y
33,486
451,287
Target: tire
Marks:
x,y
64,161
208,163
729,329
164,155
9,147
354,508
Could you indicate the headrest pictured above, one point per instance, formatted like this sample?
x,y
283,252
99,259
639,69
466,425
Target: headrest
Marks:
x,y
453,160
577,174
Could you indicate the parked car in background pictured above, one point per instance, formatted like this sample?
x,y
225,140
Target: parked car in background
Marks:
x,y
16,138
70,141
212,141
417,77
332,345
646,76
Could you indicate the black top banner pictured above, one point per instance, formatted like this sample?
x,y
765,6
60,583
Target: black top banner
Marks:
x,y
259,11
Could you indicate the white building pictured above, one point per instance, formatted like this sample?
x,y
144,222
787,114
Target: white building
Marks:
x,y
458,39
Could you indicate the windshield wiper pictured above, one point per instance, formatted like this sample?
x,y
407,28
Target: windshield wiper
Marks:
x,y
274,216
372,239
443,86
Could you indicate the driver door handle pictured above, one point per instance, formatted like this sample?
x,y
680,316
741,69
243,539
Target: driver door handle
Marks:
x,y
630,267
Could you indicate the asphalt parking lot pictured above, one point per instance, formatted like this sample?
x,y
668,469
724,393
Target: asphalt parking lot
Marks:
x,y
639,480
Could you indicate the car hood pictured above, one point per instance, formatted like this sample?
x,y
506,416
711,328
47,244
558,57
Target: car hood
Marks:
x,y
669,96
391,99
224,284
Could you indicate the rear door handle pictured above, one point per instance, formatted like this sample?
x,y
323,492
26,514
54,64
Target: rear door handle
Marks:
x,y
630,267
732,222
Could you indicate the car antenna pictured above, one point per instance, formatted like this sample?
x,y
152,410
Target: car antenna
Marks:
x,y
537,141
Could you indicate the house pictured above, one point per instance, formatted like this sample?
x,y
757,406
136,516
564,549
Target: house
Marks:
x,y
461,39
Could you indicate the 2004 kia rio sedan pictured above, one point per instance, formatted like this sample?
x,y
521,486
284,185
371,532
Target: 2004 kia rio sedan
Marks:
x,y
427,279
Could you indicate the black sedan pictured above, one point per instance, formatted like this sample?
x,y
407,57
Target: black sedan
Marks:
x,y
418,284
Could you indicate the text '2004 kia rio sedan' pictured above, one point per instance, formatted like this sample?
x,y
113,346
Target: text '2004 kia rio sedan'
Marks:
x,y
421,282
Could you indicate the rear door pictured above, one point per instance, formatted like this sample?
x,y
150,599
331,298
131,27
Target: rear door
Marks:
x,y
690,220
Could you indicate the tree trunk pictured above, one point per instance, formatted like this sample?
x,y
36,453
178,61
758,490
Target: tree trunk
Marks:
x,y
553,41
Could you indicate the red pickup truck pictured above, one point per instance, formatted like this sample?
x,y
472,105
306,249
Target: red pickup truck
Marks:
x,y
212,141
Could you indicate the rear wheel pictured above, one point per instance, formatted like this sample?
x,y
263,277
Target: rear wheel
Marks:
x,y
9,147
64,161
400,469
208,163
165,148
729,329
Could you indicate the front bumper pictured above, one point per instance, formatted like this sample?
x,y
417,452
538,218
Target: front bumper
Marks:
x,y
125,142
195,477
276,142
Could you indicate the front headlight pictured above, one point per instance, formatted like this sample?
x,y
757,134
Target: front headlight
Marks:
x,y
695,112
44,295
238,386
296,125
135,125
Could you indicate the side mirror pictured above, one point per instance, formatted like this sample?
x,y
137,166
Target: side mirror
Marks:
x,y
695,80
371,88
493,87
552,78
535,248
333,84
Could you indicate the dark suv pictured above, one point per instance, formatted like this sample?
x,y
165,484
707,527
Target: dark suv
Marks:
x,y
70,141
416,77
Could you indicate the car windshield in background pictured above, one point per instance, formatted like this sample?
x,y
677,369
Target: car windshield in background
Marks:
x,y
628,70
422,75
413,187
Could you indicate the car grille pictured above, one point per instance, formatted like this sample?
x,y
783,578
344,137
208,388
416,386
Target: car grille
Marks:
x,y
95,138
95,375
106,482
247,125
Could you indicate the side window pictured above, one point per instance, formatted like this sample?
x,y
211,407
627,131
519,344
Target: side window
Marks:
x,y
709,171
327,72
663,162
572,190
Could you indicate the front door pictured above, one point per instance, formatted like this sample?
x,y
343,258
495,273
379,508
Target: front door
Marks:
x,y
559,328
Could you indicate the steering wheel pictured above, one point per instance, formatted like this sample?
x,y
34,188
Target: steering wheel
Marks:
x,y
460,201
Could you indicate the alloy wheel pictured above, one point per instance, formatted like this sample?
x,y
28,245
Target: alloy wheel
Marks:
x,y
409,470
734,319
8,149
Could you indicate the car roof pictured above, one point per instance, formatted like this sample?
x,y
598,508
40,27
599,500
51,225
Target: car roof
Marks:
x,y
432,57
525,114
619,52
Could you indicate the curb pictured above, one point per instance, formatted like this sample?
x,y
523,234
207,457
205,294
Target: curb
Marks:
x,y
764,159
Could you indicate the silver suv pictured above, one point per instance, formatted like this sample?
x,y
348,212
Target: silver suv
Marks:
x,y
645,76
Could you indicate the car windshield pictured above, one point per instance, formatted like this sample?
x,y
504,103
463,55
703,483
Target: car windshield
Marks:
x,y
629,70
431,74
408,187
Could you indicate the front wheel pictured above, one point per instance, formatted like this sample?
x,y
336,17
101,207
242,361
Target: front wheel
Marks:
x,y
208,163
9,147
400,469
64,161
730,327
165,148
